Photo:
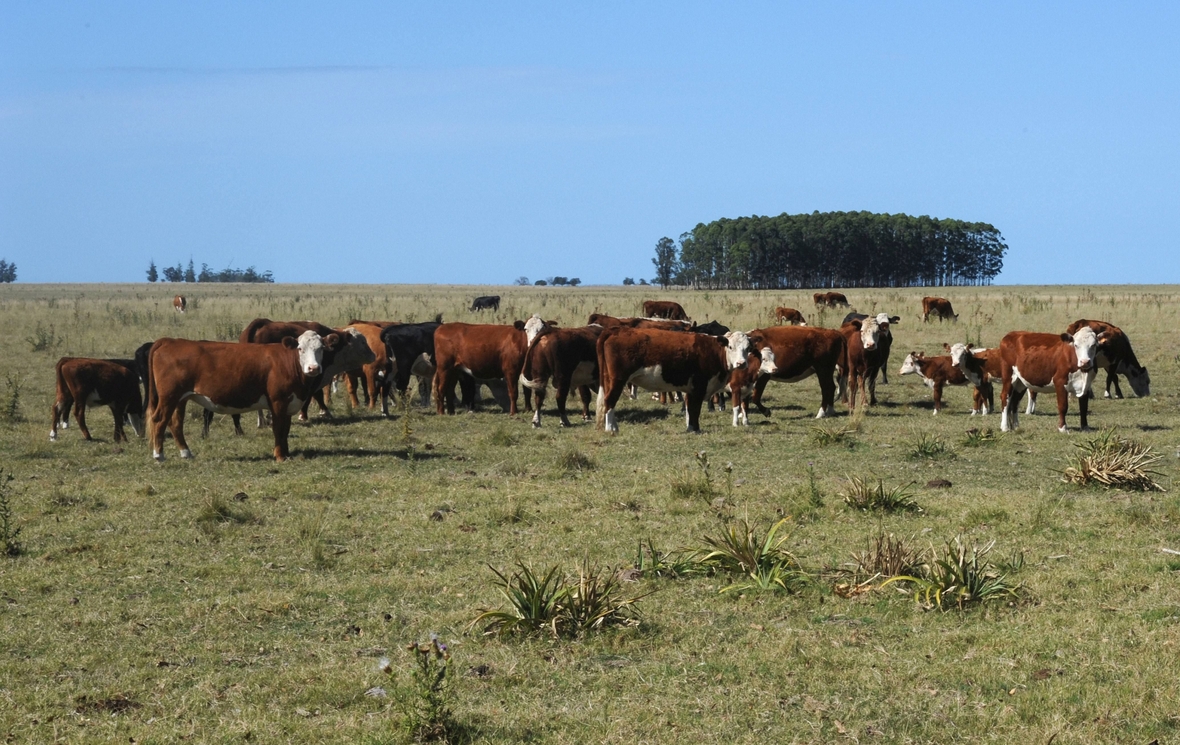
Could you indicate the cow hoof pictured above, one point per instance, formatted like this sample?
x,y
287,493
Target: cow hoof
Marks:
x,y
186,454
1063,430
158,456
53,437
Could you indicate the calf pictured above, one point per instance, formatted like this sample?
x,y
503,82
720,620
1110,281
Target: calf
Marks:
x,y
790,315
83,382
1042,362
1116,357
179,303
486,302
800,352
695,364
864,359
938,306
569,357
740,386
830,300
938,372
483,351
664,309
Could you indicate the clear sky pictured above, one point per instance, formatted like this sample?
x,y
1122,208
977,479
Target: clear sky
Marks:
x,y
477,142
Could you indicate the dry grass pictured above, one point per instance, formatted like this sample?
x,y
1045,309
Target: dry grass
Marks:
x,y
1114,462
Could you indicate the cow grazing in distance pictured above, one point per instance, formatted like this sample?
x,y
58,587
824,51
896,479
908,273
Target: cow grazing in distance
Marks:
x,y
666,309
695,364
486,302
790,315
830,300
886,322
938,306
1116,357
1064,364
568,357
864,359
179,303
483,351
799,353
83,382
938,372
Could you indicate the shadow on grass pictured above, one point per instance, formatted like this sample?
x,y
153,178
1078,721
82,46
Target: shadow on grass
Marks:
x,y
642,416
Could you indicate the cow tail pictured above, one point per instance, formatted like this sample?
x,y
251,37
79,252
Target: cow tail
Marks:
x,y
153,397
61,388
604,381
842,367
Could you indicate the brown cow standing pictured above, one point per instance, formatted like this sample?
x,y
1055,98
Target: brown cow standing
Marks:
x,y
938,372
695,364
664,309
569,357
938,306
484,351
83,382
375,378
179,303
830,300
1047,362
799,353
864,359
790,315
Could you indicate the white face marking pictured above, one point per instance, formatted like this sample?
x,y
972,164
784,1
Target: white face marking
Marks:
x,y
909,366
738,349
532,327
870,333
883,319
1085,345
768,366
958,355
311,353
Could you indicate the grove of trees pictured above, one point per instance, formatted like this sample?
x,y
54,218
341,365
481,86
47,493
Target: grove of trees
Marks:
x,y
831,249
179,273
7,271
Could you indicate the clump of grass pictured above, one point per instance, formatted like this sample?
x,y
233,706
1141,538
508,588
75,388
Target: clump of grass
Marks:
x,y
11,410
960,577
832,434
929,447
976,437
652,562
10,544
864,496
501,438
887,555
217,509
553,604
815,498
695,484
1114,461
762,562
44,339
312,531
574,461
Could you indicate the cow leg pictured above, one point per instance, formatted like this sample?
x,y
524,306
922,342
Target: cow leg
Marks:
x,y
118,411
1032,403
827,393
281,425
872,384
739,409
584,393
206,421
57,417
608,398
80,416
938,397
1084,411
158,417
1010,402
1112,378
350,383
261,419
540,393
561,392
759,386
692,409
177,426
237,424
1062,392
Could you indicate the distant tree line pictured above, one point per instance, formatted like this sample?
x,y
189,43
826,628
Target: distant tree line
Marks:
x,y
179,273
831,249
7,272
556,281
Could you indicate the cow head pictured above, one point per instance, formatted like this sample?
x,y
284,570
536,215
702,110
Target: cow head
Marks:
x,y
310,346
1137,376
737,346
1085,346
910,366
532,328
350,351
768,365
870,333
958,353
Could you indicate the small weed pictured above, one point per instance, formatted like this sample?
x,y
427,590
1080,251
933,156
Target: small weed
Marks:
x,y
695,485
959,578
574,461
10,544
1114,461
815,497
865,497
425,702
887,556
975,437
927,446
44,339
761,561
11,411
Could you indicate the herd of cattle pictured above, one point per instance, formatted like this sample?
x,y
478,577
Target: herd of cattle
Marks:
x,y
277,367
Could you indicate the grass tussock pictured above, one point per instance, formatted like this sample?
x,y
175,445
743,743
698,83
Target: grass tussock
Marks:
x,y
832,434
865,496
976,437
958,578
574,461
930,447
10,543
218,509
678,564
887,555
1114,462
760,561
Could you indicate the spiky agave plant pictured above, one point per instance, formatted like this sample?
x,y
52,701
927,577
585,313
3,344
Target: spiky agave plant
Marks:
x,y
864,496
960,577
593,603
534,603
763,561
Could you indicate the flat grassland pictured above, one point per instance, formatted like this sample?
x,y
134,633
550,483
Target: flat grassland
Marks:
x,y
151,604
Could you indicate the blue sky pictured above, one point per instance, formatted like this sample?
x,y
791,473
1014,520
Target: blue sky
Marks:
x,y
473,143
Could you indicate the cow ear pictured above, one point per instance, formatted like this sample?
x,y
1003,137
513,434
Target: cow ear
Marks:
x,y
895,319
856,323
551,323
970,345
519,325
331,341
723,341
290,342
946,347
1067,338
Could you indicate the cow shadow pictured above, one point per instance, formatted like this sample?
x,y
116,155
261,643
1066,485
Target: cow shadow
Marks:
x,y
399,453
1152,427
641,416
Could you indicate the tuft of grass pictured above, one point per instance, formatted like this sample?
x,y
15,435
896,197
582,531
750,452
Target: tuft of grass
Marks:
x,y
501,438
695,485
217,509
11,410
1114,462
44,339
761,561
10,544
929,447
574,461
888,556
960,577
825,435
864,496
976,437
652,562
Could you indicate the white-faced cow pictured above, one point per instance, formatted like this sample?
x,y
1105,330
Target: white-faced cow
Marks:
x,y
697,365
938,372
799,353
740,386
179,303
83,382
1116,357
790,315
981,367
940,307
567,356
864,359
886,323
1061,363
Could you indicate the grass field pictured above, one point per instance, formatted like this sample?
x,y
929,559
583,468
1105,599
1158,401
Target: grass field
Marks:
x,y
232,599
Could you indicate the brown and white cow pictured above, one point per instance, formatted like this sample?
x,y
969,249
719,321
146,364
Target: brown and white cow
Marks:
x,y
83,382
697,365
790,315
1047,362
375,378
664,309
981,367
179,303
569,357
938,306
607,322
939,372
233,378
864,359
799,353
1116,357
886,322
486,352
740,386
830,300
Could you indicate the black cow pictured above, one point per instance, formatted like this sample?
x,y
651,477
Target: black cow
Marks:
x,y
411,346
885,343
712,328
483,302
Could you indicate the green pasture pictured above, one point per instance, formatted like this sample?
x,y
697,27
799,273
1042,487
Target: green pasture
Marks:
x,y
233,599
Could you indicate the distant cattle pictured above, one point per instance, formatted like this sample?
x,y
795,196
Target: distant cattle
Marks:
x,y
179,303
486,352
569,358
235,378
886,322
830,300
790,315
937,373
695,364
664,309
1116,357
799,353
938,306
1064,364
486,302
83,382
600,319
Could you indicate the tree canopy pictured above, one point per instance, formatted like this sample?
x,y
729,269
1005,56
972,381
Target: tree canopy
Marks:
x,y
835,249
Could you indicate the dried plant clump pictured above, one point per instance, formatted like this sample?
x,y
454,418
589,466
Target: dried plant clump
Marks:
x,y
887,555
1114,461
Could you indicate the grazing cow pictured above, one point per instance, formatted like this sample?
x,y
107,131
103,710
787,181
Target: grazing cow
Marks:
x,y
830,300
179,303
83,382
664,309
1117,358
790,315
695,364
377,376
569,357
599,319
938,306
886,322
800,352
483,351
937,372
1047,362
411,347
864,359
981,367
484,302
235,378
